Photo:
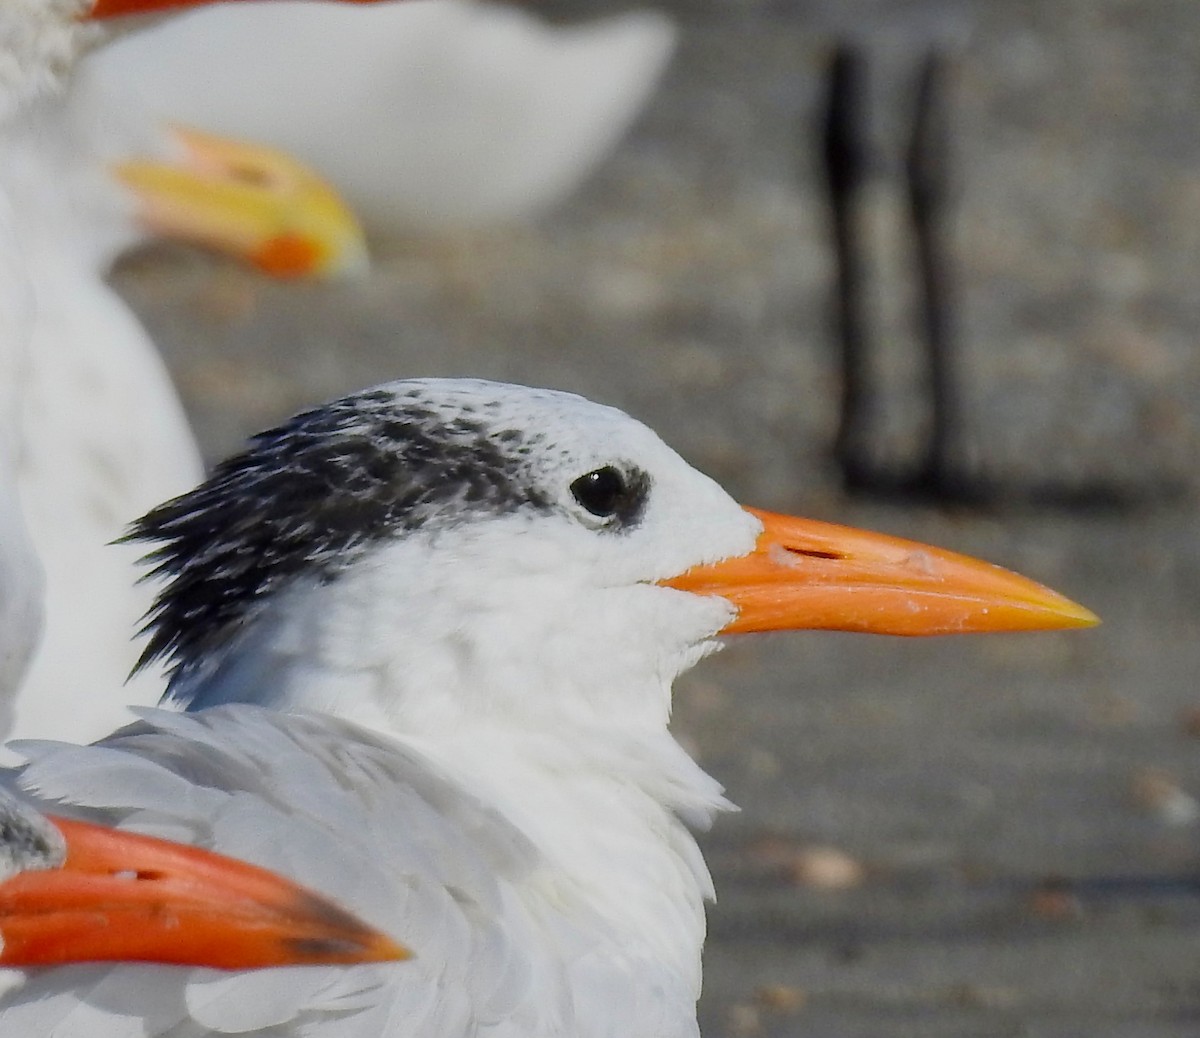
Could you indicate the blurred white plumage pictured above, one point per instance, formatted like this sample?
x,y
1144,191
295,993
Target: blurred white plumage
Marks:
x,y
35,41
21,580
425,114
95,432
102,433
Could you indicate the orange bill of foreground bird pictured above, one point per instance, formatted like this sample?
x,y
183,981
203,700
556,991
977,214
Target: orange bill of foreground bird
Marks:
x,y
252,202
76,892
821,576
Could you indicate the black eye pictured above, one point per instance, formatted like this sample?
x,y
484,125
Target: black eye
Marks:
x,y
603,492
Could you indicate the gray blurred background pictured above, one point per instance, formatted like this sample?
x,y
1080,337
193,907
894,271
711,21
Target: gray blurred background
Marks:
x,y
968,838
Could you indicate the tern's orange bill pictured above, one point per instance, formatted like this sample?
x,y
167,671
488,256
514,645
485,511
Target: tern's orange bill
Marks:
x,y
116,8
121,896
805,574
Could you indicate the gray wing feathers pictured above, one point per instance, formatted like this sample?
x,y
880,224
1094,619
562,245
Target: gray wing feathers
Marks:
x,y
361,818
110,780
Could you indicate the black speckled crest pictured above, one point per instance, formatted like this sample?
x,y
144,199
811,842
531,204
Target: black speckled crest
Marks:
x,y
27,840
312,495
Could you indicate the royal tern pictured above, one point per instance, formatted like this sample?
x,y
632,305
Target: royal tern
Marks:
x,y
499,585
94,430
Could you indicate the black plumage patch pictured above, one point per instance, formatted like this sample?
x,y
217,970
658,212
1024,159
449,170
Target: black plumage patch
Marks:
x,y
27,839
311,495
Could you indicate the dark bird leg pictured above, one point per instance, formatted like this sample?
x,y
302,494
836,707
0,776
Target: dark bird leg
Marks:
x,y
941,474
847,159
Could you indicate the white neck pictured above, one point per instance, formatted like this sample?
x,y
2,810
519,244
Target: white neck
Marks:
x,y
494,621
608,820
567,735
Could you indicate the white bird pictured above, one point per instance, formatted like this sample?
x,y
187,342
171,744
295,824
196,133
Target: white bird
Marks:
x,y
499,585
94,432
426,115
62,898
71,891
21,579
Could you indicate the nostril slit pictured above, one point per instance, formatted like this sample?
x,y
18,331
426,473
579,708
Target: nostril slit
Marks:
x,y
813,553
250,175
135,875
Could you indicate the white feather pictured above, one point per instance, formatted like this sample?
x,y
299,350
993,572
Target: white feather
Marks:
x,y
423,114
21,577
510,949
104,438
94,433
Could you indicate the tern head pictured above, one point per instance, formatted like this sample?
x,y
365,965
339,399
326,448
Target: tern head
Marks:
x,y
430,552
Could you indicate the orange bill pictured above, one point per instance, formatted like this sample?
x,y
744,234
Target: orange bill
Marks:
x,y
116,8
805,574
119,896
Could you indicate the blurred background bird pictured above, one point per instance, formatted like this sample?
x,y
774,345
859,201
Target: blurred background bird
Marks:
x,y
101,431
426,115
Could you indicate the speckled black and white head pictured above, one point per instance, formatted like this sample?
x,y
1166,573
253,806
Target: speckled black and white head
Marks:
x,y
434,547
438,553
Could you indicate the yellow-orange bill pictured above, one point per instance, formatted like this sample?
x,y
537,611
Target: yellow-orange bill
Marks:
x,y
119,896
805,574
254,202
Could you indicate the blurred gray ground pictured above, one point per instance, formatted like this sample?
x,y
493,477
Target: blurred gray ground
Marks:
x,y
1015,835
